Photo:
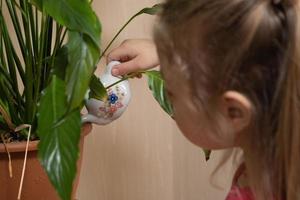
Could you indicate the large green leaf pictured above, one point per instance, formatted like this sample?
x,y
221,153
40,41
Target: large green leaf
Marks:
x,y
157,85
98,91
76,15
83,44
83,57
59,138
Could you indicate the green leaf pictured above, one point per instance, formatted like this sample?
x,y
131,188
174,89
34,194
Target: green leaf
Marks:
x,y
154,10
76,15
98,90
61,63
59,138
157,86
83,57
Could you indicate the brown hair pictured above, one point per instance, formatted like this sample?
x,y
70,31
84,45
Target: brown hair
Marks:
x,y
250,46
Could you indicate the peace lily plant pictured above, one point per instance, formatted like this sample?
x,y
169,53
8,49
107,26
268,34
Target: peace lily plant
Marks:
x,y
45,75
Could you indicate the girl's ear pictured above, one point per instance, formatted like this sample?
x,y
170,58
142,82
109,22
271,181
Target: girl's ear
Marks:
x,y
237,109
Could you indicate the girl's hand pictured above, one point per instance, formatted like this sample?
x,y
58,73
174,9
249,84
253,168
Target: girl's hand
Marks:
x,y
135,55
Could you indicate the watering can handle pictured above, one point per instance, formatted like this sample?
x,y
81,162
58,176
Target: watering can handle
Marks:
x,y
110,66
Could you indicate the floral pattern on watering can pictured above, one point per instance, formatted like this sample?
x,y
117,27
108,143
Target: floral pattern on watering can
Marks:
x,y
105,112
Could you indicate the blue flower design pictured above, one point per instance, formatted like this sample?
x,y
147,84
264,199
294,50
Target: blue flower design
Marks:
x,y
113,98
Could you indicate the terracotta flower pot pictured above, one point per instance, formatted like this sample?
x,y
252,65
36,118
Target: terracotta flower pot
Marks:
x,y
36,185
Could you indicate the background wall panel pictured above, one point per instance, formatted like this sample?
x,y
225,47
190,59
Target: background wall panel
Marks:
x,y
143,156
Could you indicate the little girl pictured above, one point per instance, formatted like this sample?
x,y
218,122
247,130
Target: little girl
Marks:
x,y
232,74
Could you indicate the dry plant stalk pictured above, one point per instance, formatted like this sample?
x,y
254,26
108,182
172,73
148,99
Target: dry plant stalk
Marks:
x,y
19,128
9,157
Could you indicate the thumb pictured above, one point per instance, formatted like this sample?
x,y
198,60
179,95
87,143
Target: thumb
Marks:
x,y
125,68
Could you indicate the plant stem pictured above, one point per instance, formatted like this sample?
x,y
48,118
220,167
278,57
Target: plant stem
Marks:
x,y
14,57
12,61
57,45
47,66
8,68
19,66
63,37
9,55
29,65
40,82
9,84
11,104
5,75
17,27
36,31
33,32
118,33
121,80
2,57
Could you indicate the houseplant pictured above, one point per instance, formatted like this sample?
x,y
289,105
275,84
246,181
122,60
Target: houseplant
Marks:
x,y
45,101
55,75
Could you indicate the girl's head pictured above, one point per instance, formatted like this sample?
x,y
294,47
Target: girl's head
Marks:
x,y
232,71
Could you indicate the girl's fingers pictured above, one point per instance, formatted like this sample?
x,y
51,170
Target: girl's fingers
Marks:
x,y
125,68
121,54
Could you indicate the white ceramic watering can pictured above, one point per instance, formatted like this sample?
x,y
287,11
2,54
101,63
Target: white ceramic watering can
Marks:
x,y
100,112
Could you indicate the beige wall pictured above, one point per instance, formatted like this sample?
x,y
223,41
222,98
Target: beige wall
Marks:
x,y
143,156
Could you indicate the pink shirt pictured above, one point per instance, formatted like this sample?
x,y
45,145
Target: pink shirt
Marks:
x,y
238,192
